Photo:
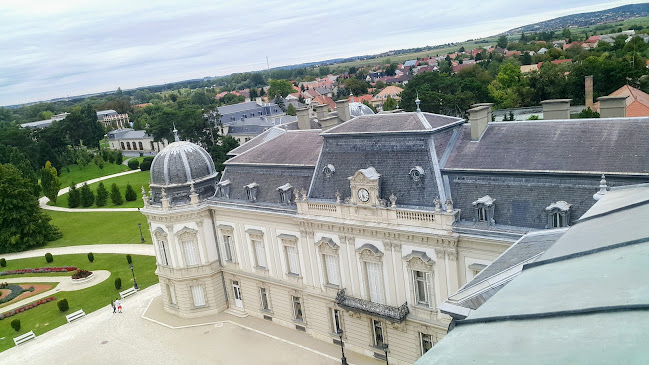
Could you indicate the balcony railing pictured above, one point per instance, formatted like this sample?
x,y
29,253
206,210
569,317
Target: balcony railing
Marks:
x,y
392,314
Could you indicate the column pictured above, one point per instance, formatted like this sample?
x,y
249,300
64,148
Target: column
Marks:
x,y
451,256
442,274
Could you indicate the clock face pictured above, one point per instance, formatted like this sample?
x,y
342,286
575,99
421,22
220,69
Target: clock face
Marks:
x,y
363,195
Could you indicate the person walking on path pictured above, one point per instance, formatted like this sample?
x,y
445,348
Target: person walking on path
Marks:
x,y
112,303
119,305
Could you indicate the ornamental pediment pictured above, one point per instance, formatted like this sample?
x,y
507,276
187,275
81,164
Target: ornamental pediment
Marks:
x,y
365,175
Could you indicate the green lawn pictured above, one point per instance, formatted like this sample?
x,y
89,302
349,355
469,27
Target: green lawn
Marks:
x,y
47,316
91,228
91,171
137,180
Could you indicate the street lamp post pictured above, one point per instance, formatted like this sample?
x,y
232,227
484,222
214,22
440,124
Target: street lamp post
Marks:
x,y
385,349
134,282
343,360
139,225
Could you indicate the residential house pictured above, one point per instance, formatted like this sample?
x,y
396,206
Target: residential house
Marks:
x,y
392,91
134,143
637,101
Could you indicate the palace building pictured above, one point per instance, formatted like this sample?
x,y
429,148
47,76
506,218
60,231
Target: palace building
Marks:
x,y
369,224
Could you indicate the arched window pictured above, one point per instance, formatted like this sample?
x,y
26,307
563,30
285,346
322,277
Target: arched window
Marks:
x,y
128,146
141,147
123,147
558,215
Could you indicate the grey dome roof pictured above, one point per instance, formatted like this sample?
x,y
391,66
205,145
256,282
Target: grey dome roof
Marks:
x,y
181,163
357,109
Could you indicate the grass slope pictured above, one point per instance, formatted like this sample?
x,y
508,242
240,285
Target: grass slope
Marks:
x,y
137,180
91,228
91,171
47,316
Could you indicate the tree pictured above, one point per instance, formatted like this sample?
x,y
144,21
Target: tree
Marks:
x,y
588,113
74,196
391,69
291,110
102,195
526,59
502,41
87,197
24,225
253,93
565,34
130,194
279,88
356,86
115,195
200,97
389,104
461,49
50,182
219,151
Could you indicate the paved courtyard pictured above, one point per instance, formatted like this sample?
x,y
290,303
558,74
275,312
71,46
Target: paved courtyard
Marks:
x,y
141,336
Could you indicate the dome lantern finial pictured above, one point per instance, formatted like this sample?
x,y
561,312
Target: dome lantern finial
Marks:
x,y
351,95
176,138
603,187
417,101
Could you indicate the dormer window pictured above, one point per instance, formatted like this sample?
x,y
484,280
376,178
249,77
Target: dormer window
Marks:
x,y
558,214
329,170
223,189
251,191
484,210
285,193
416,173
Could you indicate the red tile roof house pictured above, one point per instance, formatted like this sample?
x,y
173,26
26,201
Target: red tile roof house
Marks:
x,y
637,101
461,66
512,53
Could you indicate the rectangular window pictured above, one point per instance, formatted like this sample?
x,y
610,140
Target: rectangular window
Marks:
x,y
482,214
227,247
377,330
557,220
199,297
336,323
163,252
421,287
426,342
172,294
260,254
298,315
292,260
331,266
374,282
191,253
265,305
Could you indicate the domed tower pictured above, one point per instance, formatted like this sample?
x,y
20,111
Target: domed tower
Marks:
x,y
179,170
189,271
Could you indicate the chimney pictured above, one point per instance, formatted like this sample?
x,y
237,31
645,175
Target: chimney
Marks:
x,y
258,101
342,106
589,92
328,122
490,105
303,121
556,109
321,111
612,106
478,120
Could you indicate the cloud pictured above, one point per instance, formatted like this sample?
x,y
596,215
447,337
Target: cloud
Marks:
x,y
53,49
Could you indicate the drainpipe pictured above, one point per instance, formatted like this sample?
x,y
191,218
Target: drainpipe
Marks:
x,y
218,252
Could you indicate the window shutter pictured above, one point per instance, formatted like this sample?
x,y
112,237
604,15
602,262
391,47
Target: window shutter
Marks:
x,y
291,252
374,281
261,255
429,294
190,253
331,263
197,293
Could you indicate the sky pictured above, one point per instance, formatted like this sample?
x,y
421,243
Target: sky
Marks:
x,y
51,49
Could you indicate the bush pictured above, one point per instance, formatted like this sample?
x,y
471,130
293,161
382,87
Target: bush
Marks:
x,y
63,305
3,262
133,164
48,257
15,324
119,158
115,195
118,283
129,259
87,196
145,166
147,159
80,274
102,195
74,197
130,194
91,257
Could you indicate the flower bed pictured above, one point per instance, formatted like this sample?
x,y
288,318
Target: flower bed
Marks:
x,y
26,307
40,270
81,274
16,290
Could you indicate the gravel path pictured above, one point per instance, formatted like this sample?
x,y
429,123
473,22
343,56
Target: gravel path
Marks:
x,y
133,249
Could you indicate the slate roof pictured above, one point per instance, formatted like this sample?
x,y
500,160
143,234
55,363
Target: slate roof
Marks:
x,y
228,109
393,123
261,138
126,133
257,125
291,148
584,145
585,300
